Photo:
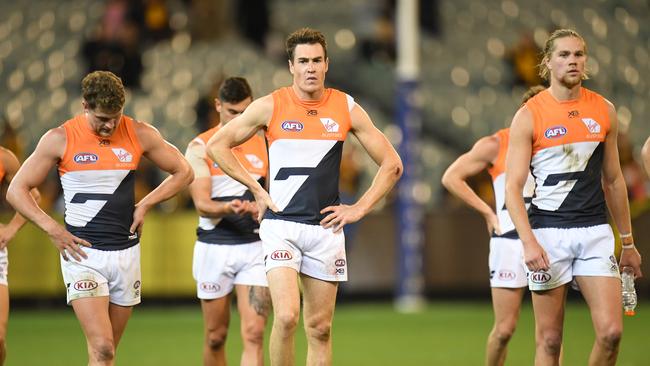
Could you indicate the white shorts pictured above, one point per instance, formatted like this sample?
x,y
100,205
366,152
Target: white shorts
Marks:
x,y
584,251
309,249
506,263
4,264
112,273
218,268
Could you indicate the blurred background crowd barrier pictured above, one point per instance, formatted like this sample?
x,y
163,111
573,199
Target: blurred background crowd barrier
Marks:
x,y
478,57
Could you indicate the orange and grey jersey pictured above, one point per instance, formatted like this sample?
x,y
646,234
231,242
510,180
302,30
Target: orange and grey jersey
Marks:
x,y
498,173
233,229
305,141
567,158
98,176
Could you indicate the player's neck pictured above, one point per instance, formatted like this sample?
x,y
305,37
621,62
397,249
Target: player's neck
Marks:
x,y
563,93
307,96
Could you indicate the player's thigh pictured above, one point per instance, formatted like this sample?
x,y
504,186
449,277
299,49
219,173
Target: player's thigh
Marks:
x,y
548,307
319,299
4,310
506,303
216,313
93,315
254,305
285,293
603,296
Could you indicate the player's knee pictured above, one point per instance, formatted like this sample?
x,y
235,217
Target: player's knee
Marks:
x,y
103,350
217,339
253,334
610,338
286,319
551,341
503,332
321,332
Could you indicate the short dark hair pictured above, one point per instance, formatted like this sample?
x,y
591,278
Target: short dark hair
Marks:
x,y
103,89
234,90
304,36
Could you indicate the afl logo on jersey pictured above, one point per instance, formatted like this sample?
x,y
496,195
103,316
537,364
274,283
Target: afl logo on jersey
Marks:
x,y
85,158
292,126
555,132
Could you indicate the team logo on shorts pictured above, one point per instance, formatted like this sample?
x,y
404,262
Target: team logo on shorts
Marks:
x,y
210,287
339,262
85,285
592,125
292,126
281,255
505,275
555,132
85,158
540,277
136,285
340,271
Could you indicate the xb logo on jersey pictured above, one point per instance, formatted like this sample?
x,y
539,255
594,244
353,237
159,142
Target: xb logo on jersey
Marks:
x,y
330,125
122,155
592,125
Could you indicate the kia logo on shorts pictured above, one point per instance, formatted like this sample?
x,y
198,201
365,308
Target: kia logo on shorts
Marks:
x,y
292,126
339,262
210,287
506,275
281,255
555,132
85,285
85,158
540,277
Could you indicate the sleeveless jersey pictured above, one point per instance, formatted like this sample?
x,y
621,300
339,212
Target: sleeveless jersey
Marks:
x,y
233,229
498,173
305,145
98,176
567,158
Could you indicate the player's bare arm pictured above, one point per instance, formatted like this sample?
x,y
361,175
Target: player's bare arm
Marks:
x,y
616,194
33,172
236,132
479,158
390,170
201,187
11,164
645,156
167,158
517,168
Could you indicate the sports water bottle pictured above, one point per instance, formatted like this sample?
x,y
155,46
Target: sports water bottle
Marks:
x,y
629,293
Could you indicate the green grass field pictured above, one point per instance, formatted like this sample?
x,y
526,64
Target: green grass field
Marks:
x,y
446,333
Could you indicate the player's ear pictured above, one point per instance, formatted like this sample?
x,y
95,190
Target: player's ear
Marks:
x,y
290,66
217,105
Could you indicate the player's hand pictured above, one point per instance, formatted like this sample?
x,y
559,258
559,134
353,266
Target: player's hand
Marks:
x,y
263,201
492,222
6,234
252,209
536,258
632,258
138,220
237,207
340,215
68,244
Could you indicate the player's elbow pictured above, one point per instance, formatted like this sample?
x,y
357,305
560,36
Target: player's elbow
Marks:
x,y
396,169
447,179
13,193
